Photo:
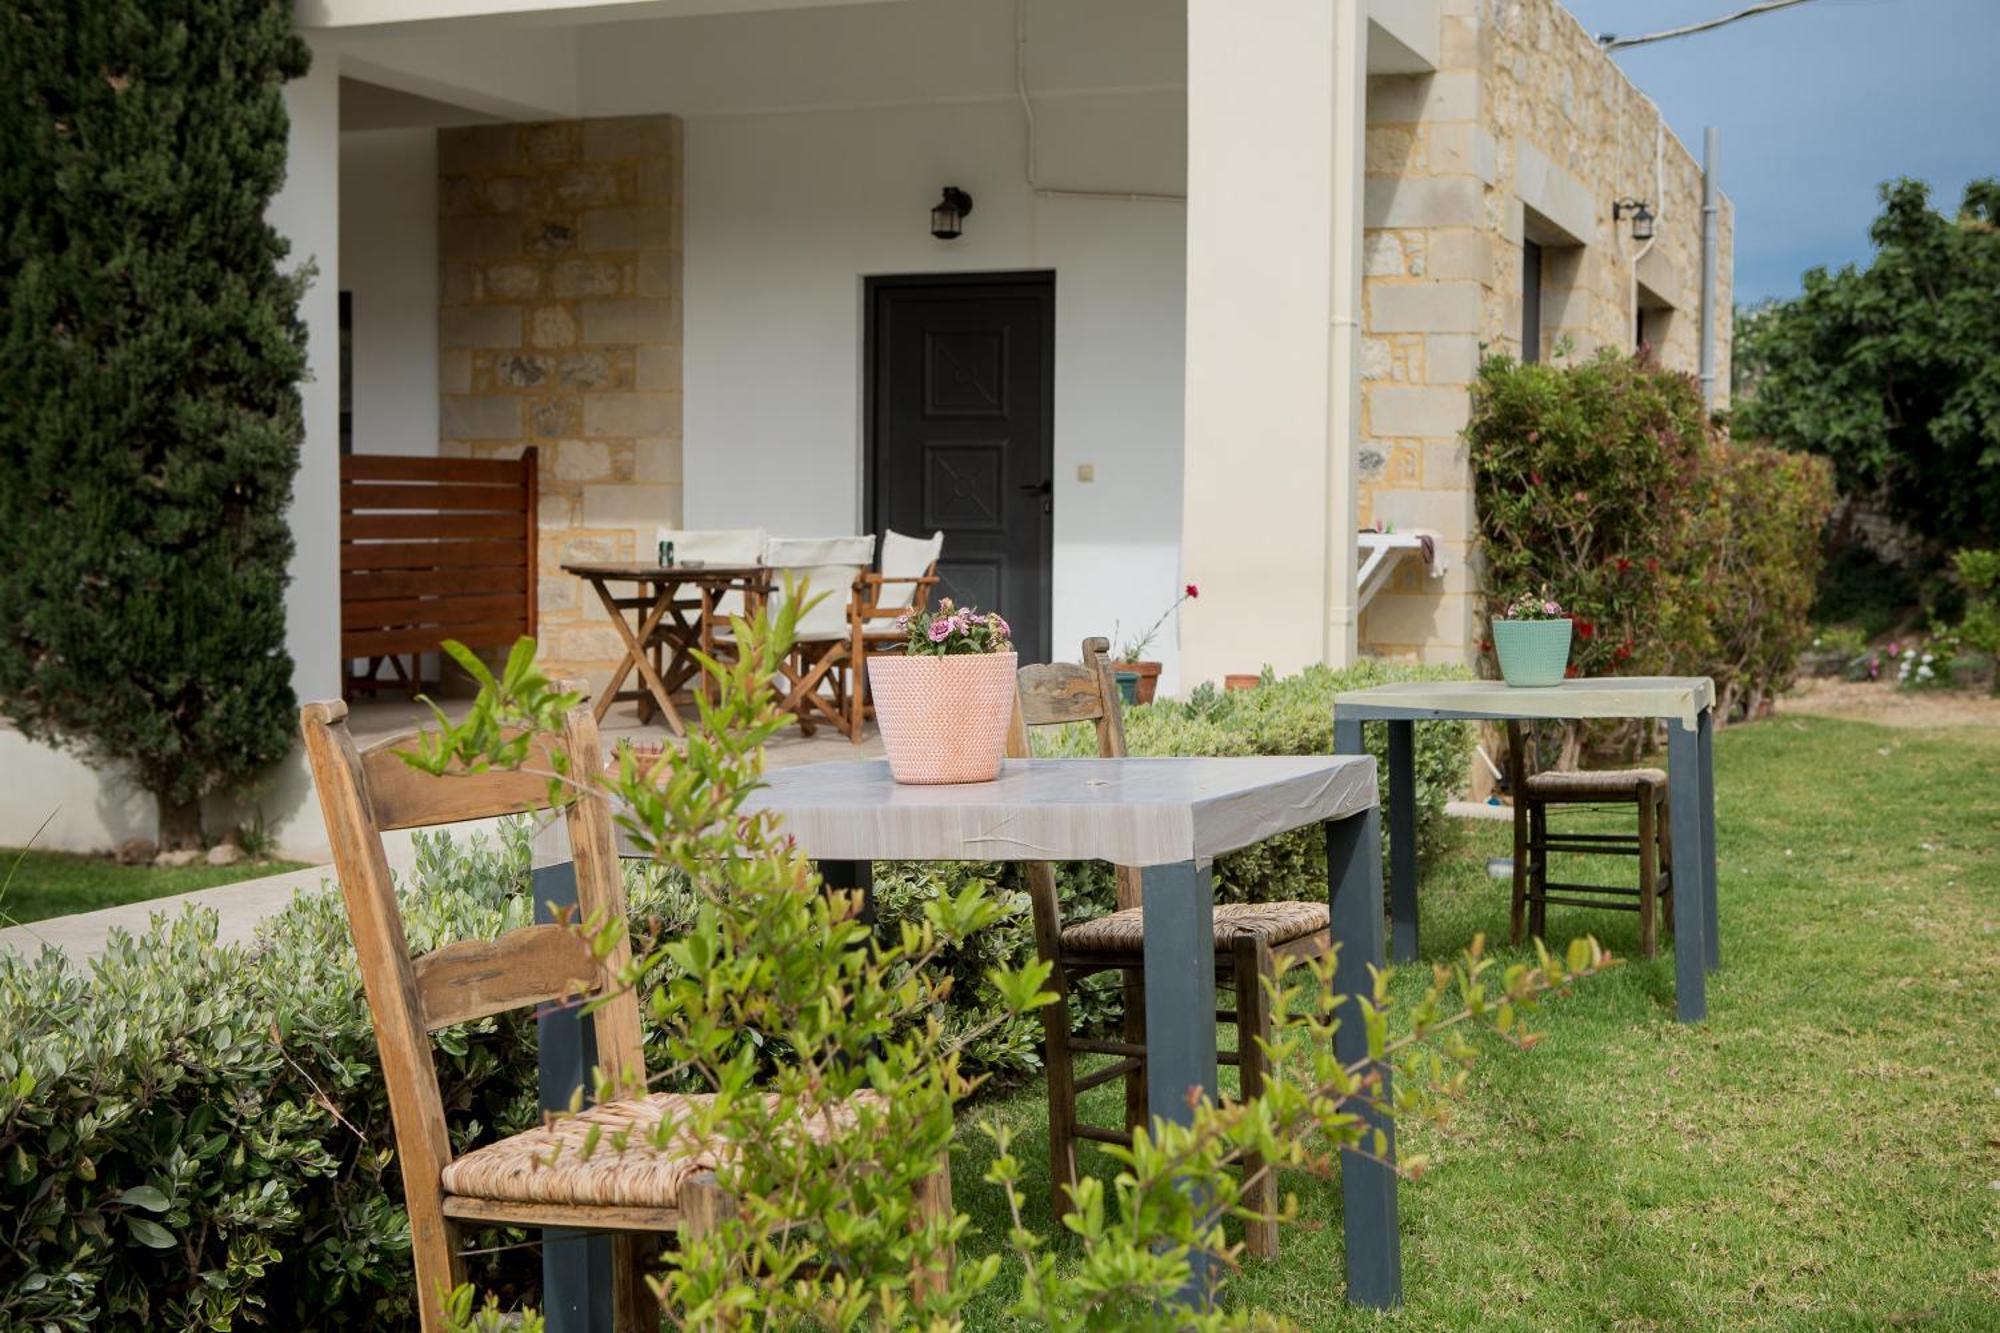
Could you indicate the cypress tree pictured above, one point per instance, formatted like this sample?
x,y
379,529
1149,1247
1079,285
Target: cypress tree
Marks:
x,y
149,411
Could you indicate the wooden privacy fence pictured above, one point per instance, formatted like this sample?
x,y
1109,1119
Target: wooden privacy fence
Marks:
x,y
432,549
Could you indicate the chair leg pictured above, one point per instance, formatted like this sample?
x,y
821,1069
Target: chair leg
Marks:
x,y
1253,1027
1665,827
1538,870
434,1244
1134,1032
633,1305
1649,878
1516,916
1061,1069
934,1206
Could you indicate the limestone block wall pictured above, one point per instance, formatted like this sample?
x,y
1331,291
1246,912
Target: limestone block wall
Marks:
x,y
1526,131
560,326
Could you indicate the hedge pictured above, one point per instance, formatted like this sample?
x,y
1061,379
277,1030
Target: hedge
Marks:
x,y
1675,549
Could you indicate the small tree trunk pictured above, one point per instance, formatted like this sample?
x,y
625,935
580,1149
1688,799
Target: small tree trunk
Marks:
x,y
180,824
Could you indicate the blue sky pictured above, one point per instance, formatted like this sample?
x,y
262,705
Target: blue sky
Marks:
x,y
1818,104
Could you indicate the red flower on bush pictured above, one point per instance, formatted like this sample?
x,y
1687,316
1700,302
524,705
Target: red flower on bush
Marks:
x,y
1624,650
1584,629
1571,671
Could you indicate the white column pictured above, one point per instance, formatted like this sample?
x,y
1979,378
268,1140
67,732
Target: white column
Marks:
x,y
307,212
1269,489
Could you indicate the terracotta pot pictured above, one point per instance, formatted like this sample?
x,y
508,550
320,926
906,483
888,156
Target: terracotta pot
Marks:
x,y
943,719
1241,681
1149,678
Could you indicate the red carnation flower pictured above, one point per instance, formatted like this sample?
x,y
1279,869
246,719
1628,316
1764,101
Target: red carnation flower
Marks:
x,y
1193,591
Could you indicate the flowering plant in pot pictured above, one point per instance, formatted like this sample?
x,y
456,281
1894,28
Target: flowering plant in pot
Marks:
x,y
944,702
1139,676
1532,640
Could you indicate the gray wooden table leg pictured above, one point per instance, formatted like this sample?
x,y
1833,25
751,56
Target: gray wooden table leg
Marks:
x,y
1403,841
1691,910
851,875
1178,902
1367,1187
1712,939
576,1266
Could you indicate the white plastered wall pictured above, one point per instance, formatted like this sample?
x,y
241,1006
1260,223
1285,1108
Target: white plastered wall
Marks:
x,y
388,264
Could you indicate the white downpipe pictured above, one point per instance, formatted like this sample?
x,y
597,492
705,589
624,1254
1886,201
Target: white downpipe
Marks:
x,y
1711,244
1343,415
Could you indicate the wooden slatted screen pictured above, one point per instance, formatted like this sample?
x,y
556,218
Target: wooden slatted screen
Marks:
x,y
433,549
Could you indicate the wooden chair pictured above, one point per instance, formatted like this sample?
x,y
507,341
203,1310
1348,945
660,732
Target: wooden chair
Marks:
x,y
814,676
541,1178
881,600
1645,789
1253,941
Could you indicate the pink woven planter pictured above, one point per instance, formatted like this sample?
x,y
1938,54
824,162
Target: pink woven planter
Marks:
x,y
943,719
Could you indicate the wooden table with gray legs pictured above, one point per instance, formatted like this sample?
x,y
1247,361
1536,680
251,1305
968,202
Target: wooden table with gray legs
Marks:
x,y
1685,703
1171,818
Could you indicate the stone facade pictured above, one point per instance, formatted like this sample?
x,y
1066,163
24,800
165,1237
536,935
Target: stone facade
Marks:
x,y
560,325
1527,131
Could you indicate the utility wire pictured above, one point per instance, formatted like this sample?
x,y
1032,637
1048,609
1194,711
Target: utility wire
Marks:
x,y
1611,41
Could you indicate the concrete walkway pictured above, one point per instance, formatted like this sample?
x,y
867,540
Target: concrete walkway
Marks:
x,y
242,905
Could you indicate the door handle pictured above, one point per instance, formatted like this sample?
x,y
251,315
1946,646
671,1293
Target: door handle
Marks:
x,y
1045,489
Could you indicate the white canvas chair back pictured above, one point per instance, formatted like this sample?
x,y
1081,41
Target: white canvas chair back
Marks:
x,y
830,565
905,558
718,546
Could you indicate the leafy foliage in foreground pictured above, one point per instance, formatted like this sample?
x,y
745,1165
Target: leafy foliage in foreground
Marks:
x,y
149,410
784,1006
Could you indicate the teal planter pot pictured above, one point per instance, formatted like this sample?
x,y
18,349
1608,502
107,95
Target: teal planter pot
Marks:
x,y
1532,652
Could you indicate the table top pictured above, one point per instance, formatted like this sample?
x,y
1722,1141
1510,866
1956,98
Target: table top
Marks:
x,y
649,572
1131,812
1680,697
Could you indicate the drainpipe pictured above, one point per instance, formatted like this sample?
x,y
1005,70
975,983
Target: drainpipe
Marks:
x,y
1343,415
1711,241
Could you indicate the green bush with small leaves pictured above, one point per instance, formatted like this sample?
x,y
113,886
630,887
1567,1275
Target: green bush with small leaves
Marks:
x,y
194,1134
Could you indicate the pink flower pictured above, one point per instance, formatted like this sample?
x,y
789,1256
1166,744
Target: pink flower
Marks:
x,y
1551,609
994,622
940,629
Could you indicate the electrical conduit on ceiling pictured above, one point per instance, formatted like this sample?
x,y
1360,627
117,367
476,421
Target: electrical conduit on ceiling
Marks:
x,y
1039,190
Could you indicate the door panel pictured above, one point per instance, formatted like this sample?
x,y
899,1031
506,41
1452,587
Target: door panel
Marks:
x,y
961,409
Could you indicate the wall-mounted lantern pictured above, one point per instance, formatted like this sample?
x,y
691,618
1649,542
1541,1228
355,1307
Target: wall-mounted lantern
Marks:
x,y
948,214
1641,214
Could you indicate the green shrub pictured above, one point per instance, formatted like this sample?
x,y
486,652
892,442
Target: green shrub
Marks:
x,y
196,1135
1979,574
1764,512
1675,549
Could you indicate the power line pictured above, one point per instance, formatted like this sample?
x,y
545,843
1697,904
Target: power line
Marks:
x,y
1611,41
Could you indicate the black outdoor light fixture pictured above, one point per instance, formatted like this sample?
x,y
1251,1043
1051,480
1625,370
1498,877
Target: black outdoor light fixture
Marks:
x,y
1642,217
948,214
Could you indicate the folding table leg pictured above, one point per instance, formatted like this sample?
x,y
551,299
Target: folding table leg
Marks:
x,y
1367,1186
1403,840
1178,903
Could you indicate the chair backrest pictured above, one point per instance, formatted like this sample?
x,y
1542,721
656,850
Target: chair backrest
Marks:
x,y
830,565
1050,694
716,546
905,561
362,793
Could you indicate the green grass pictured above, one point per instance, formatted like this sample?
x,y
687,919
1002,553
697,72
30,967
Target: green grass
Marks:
x,y
1822,1153
46,884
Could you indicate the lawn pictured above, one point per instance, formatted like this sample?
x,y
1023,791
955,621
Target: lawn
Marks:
x,y
1822,1153
39,885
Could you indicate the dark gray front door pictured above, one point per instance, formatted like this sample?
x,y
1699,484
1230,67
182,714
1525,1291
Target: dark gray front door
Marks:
x,y
961,383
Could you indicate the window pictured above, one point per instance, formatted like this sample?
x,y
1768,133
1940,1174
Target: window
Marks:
x,y
1531,301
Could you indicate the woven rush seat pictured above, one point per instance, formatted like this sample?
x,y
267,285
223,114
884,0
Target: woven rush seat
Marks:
x,y
1273,923
548,1165
1601,782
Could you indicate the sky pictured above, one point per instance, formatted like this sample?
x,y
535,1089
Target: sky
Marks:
x,y
1818,105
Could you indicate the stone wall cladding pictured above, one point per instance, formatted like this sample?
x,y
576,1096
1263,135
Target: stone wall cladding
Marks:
x,y
1442,264
560,324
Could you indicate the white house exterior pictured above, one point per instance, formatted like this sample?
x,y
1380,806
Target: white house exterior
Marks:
x,y
640,235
